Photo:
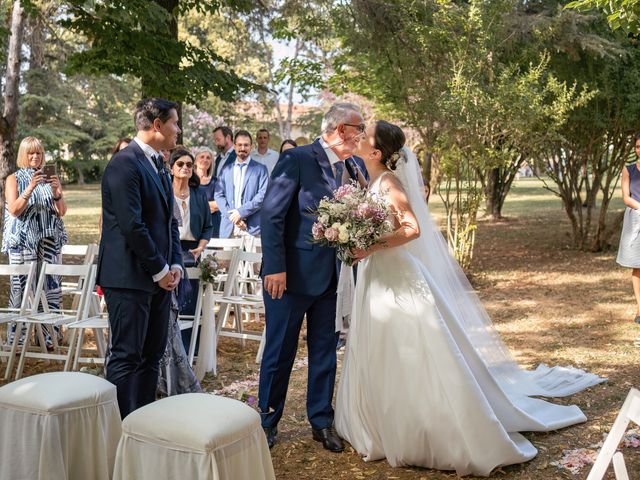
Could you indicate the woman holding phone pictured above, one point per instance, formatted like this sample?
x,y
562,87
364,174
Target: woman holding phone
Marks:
x,y
33,227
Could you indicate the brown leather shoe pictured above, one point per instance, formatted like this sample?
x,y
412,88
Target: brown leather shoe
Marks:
x,y
329,438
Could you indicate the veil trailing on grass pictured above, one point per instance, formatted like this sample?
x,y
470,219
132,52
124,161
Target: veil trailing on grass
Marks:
x,y
458,294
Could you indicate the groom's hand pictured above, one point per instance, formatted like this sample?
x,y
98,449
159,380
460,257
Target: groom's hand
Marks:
x,y
276,284
166,282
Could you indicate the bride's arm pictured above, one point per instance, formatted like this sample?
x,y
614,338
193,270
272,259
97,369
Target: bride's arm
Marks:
x,y
408,224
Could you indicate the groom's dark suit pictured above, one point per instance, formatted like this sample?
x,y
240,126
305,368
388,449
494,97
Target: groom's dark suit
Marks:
x,y
139,238
300,179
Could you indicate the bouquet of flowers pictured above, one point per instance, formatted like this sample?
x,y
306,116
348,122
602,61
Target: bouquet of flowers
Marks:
x,y
353,218
209,268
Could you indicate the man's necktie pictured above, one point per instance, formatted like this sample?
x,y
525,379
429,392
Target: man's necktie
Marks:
x,y
339,172
352,169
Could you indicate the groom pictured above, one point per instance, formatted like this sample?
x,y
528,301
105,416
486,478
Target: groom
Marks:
x,y
140,260
300,277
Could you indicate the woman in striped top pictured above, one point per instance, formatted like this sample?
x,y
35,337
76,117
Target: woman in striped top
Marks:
x,y
33,228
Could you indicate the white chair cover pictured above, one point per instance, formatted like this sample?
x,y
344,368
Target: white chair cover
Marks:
x,y
195,436
62,425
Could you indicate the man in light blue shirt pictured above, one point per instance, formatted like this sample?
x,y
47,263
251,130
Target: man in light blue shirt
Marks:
x,y
240,191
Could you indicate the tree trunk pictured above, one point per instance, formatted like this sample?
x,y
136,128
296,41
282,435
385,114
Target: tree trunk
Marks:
x,y
9,120
492,192
171,6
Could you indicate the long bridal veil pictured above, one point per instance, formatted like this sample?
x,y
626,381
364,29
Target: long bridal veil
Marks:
x,y
454,288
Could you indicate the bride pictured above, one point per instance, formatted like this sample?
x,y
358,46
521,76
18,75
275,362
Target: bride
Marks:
x,y
426,379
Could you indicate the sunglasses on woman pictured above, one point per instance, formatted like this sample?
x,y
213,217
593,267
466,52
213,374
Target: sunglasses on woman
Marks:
x,y
181,164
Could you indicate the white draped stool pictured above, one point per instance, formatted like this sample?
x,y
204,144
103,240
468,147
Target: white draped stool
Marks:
x,y
195,436
62,425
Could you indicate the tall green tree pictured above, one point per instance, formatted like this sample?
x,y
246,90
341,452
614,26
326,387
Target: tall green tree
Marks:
x,y
10,94
584,162
140,38
456,73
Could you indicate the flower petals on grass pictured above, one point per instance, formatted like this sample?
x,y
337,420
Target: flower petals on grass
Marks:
x,y
575,459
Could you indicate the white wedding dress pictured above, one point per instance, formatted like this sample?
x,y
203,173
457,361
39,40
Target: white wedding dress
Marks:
x,y
426,381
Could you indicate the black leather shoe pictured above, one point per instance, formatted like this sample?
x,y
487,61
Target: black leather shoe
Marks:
x,y
271,435
329,438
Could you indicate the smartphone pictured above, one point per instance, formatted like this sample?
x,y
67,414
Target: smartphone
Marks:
x,y
49,171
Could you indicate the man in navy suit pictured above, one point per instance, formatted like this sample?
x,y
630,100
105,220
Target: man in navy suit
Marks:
x,y
223,138
140,260
300,277
240,191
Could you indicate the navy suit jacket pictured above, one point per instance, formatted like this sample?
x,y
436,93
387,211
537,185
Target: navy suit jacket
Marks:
x,y
254,188
300,179
200,221
139,232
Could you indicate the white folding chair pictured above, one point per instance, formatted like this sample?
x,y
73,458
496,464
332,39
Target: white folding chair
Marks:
x,y
86,254
95,319
56,318
193,321
257,245
225,243
231,299
9,314
630,412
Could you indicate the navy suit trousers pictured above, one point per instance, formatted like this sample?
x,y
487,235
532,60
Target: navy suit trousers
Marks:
x,y
283,320
138,323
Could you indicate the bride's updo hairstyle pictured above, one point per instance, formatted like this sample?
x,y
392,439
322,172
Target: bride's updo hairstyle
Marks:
x,y
389,139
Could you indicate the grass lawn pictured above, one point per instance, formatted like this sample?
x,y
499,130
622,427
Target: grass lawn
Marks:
x,y
550,303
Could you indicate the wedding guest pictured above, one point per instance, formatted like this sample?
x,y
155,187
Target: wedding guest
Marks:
x,y
194,224
140,263
120,144
629,249
190,207
204,169
240,191
287,144
33,228
223,139
263,154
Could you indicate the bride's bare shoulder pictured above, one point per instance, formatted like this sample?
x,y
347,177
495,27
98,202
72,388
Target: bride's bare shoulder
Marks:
x,y
389,182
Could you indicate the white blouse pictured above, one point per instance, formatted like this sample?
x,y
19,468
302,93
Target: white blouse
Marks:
x,y
185,228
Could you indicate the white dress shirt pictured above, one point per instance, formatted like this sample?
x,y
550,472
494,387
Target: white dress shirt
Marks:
x,y
239,174
185,228
150,152
269,159
333,158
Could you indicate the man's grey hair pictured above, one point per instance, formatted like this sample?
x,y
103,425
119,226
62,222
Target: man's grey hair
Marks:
x,y
337,114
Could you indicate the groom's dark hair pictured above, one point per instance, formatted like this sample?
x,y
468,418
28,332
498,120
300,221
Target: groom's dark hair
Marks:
x,y
148,109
